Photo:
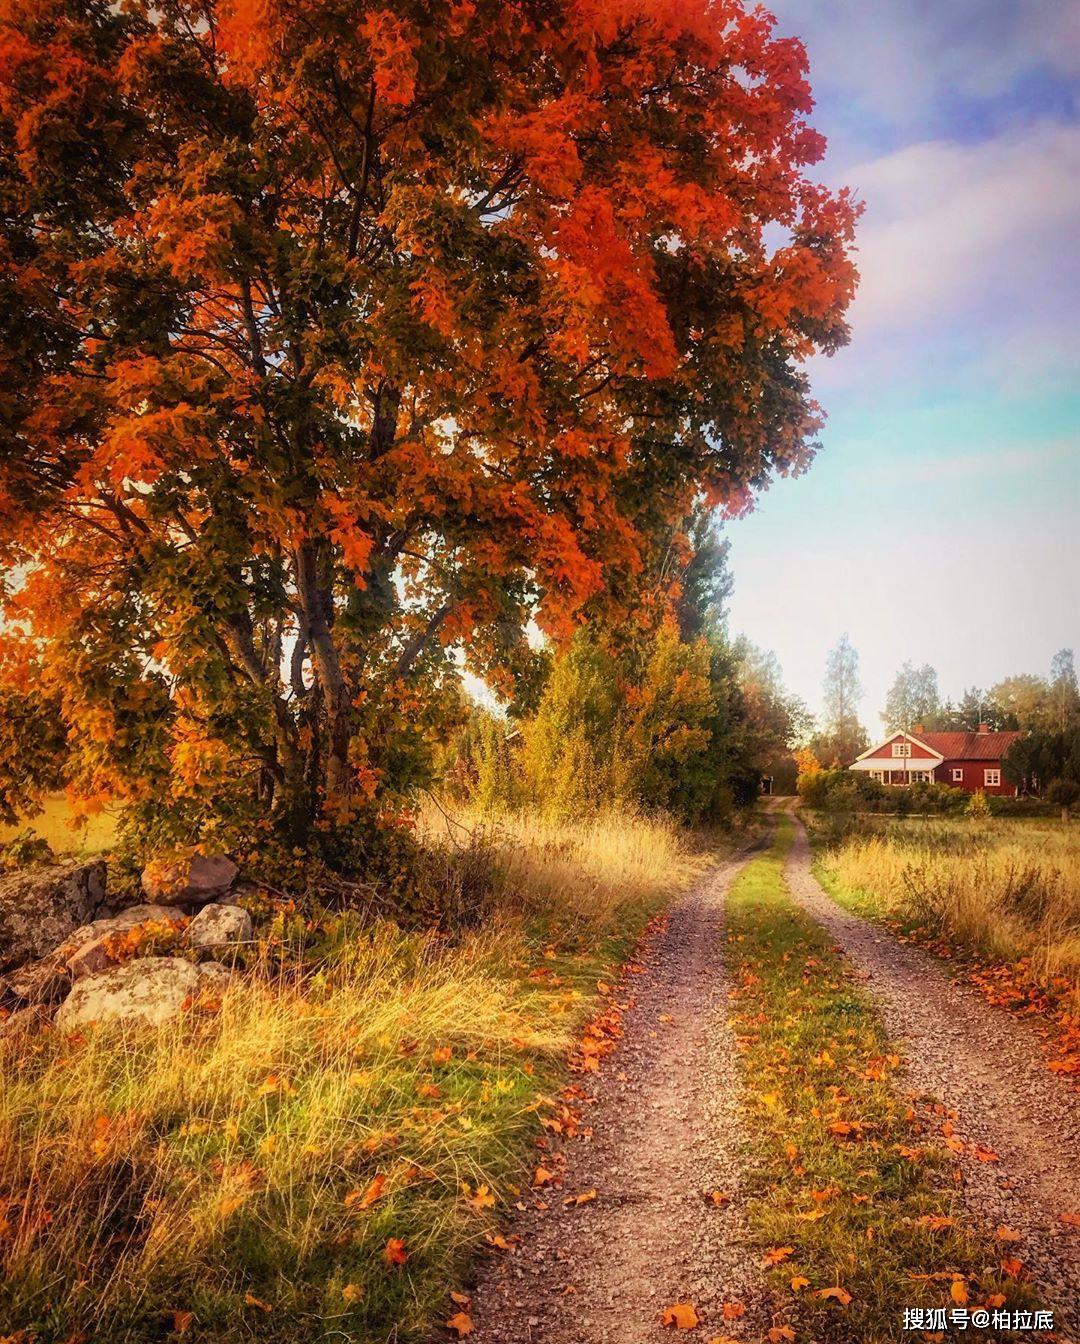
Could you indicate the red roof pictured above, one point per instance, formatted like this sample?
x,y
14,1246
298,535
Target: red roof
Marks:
x,y
969,746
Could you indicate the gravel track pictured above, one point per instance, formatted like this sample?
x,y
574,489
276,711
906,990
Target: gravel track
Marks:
x,y
665,1132
986,1066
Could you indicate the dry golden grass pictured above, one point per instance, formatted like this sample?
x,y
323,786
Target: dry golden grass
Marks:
x,y
1005,889
221,1166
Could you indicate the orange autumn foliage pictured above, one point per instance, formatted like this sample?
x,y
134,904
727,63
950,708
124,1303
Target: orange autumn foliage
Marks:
x,y
340,335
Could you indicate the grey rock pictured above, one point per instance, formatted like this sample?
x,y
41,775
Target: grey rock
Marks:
x,y
148,992
93,947
182,878
218,926
214,977
36,982
40,907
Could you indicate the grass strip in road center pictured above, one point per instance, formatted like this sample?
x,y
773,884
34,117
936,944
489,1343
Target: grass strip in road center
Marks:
x,y
852,1194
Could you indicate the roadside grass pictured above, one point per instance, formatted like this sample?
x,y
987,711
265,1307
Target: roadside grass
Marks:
x,y
321,1153
852,1193
1000,897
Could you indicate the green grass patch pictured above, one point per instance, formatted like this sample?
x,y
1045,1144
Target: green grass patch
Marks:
x,y
852,1193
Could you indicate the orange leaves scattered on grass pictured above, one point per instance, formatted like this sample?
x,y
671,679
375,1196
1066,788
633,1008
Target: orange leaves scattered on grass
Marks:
x,y
777,1255
680,1316
363,1199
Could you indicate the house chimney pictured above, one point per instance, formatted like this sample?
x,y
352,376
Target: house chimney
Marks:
x,y
984,727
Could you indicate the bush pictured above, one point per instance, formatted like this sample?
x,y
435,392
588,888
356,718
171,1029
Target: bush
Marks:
x,y
851,791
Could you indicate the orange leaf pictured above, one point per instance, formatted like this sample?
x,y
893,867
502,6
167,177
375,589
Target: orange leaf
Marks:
x,y
363,1199
1070,1219
1006,1233
777,1254
959,1293
733,1310
681,1316
483,1199
798,1283
352,1292
252,1301
586,1197
719,1198
181,1321
837,1294
394,1252
781,1332
541,1176
461,1324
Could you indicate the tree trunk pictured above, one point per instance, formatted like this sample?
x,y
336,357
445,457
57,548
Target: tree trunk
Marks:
x,y
318,615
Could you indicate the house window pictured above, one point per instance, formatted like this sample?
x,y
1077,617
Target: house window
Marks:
x,y
879,775
920,776
901,748
991,778
958,774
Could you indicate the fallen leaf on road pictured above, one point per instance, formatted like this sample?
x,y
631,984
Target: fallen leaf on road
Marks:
x,y
1070,1219
461,1324
781,1332
680,1316
718,1197
541,1176
586,1197
733,1310
1006,1233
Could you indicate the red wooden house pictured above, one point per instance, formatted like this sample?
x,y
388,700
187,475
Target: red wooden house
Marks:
x,y
964,760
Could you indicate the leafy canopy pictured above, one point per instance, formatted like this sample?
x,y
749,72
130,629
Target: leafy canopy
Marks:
x,y
339,336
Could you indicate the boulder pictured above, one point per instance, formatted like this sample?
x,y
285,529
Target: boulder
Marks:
x,y
213,977
218,926
44,981
97,946
145,992
40,907
180,879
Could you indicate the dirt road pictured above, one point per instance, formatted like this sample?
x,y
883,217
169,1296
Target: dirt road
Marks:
x,y
986,1066
664,1135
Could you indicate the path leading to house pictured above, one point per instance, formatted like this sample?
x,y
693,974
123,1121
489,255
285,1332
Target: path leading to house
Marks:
x,y
986,1066
664,1134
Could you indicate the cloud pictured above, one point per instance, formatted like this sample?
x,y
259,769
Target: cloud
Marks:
x,y
898,60
968,259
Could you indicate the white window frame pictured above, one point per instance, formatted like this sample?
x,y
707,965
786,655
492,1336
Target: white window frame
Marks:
x,y
879,775
920,776
991,778
958,774
901,749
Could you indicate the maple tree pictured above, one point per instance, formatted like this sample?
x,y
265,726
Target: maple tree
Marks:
x,y
342,336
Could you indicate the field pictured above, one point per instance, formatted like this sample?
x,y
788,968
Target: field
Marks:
x,y
1004,891
54,824
325,1147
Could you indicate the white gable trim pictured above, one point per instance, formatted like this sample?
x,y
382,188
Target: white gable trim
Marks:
x,y
930,753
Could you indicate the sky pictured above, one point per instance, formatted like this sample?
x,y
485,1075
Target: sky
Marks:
x,y
940,521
